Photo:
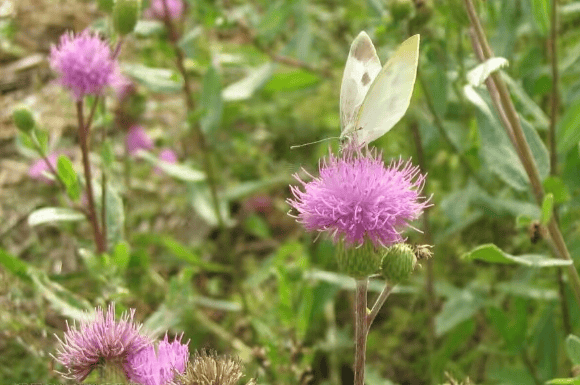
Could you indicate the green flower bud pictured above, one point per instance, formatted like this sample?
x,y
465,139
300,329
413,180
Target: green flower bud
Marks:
x,y
106,5
398,263
23,119
125,15
358,262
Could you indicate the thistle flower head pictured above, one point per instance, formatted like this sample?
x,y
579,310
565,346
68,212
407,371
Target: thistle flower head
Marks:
x,y
207,368
84,63
159,367
156,9
137,139
101,340
356,197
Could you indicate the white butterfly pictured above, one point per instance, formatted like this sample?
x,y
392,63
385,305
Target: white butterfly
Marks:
x,y
373,100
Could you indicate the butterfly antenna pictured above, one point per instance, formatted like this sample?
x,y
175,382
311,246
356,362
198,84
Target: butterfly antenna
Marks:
x,y
318,141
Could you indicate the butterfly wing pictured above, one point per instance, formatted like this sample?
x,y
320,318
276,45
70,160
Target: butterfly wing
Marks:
x,y
362,67
389,95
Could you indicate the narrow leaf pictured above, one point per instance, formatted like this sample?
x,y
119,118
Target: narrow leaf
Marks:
x,y
573,349
54,214
68,176
211,101
493,254
477,76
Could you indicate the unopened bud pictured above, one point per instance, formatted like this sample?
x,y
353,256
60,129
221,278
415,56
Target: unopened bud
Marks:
x,y
358,261
23,119
125,15
398,262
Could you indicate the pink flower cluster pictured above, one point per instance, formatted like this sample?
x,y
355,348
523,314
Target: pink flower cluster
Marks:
x,y
84,63
103,340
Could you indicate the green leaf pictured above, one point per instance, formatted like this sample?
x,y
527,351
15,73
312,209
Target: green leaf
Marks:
x,y
121,256
14,265
274,20
211,101
564,381
245,88
493,254
244,189
178,171
547,208
114,213
54,214
556,186
66,302
187,42
291,81
499,153
568,133
146,28
573,349
458,309
541,15
107,154
477,76
256,225
156,79
68,176
40,137
203,204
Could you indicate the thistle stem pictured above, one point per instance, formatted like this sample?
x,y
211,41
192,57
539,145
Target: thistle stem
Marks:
x,y
100,242
361,331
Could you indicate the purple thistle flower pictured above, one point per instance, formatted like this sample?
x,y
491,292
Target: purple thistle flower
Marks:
x,y
137,139
159,367
40,167
84,63
157,9
357,198
101,340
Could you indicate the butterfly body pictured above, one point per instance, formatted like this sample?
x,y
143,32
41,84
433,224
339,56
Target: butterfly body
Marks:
x,y
374,98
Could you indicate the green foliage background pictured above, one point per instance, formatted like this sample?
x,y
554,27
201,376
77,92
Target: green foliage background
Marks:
x,y
273,297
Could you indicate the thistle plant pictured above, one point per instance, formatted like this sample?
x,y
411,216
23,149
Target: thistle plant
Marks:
x,y
104,343
364,206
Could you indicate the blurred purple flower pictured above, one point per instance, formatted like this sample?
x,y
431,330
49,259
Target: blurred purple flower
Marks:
x,y
157,9
101,341
357,198
152,367
167,155
122,85
40,167
137,139
84,63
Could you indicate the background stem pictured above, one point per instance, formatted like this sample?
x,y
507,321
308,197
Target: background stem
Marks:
x,y
523,149
428,237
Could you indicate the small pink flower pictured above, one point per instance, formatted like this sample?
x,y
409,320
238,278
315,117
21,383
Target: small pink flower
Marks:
x,y
167,155
157,9
356,197
84,63
137,139
40,167
122,85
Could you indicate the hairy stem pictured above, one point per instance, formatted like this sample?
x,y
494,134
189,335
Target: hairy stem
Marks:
x,y
524,150
388,289
361,331
92,214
